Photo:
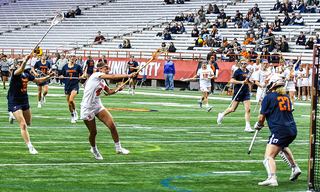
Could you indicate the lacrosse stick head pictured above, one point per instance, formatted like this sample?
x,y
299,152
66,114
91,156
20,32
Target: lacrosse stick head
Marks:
x,y
59,16
275,80
184,80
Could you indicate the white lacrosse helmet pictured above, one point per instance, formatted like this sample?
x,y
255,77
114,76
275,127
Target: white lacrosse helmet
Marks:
x,y
275,80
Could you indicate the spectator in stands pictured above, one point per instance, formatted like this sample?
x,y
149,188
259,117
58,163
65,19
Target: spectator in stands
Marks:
x,y
252,55
304,7
235,41
236,16
238,23
249,14
70,14
293,18
216,9
258,19
207,24
224,42
211,54
222,15
175,29
284,47
216,23
317,40
299,20
167,35
201,18
169,1
180,1
216,43
201,10
210,9
127,44
182,29
244,53
209,42
301,39
223,23
99,38
190,18
298,5
255,9
275,57
246,39
230,55
312,8
195,32
277,24
286,20
251,22
199,41
250,31
272,44
288,8
310,43
276,6
265,54
218,35
78,10
171,47
179,18
245,23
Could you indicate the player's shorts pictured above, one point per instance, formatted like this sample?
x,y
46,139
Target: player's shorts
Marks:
x,y
43,84
259,95
68,90
241,96
281,141
4,73
205,89
89,72
89,113
291,87
15,107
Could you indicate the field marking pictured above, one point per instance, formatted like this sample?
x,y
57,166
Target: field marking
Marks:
x,y
226,135
140,163
197,132
230,172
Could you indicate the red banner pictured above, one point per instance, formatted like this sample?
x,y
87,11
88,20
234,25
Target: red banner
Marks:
x,y
154,70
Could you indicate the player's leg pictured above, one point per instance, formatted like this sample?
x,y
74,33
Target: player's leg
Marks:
x,y
71,106
231,109
24,119
4,79
45,92
130,83
107,119
39,96
205,97
92,127
291,94
270,165
247,109
304,93
134,81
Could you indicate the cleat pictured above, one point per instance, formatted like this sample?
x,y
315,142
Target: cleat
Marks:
x,y
11,118
32,150
39,105
209,109
269,182
295,173
43,99
76,116
73,120
220,118
248,129
123,151
96,155
200,102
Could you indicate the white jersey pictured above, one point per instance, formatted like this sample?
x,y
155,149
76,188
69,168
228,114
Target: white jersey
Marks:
x,y
281,69
204,75
271,70
94,87
254,68
33,61
290,75
261,76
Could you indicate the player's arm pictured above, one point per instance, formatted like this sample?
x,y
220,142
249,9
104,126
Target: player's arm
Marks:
x,y
194,77
234,81
117,76
43,79
23,66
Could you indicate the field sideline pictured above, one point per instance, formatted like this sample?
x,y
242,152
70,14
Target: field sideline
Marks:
x,y
177,146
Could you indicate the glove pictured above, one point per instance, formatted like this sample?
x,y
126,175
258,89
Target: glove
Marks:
x,y
257,127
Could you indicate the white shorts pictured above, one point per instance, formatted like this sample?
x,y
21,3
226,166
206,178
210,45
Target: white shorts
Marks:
x,y
205,89
291,87
259,94
89,113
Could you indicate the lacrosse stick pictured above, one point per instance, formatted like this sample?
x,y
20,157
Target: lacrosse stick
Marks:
x,y
252,142
260,99
154,56
188,79
247,78
71,78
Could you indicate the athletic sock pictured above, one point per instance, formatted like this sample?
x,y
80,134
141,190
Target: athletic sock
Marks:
x,y
118,145
207,105
29,144
248,124
223,114
94,149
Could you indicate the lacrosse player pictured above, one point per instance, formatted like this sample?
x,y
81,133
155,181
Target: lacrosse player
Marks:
x,y
205,74
18,101
260,77
91,107
240,80
276,108
40,69
132,67
71,86
290,86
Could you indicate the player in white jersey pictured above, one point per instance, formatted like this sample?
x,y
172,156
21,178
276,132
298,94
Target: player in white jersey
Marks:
x,y
290,87
254,68
282,67
259,78
271,69
92,107
205,74
302,82
309,83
